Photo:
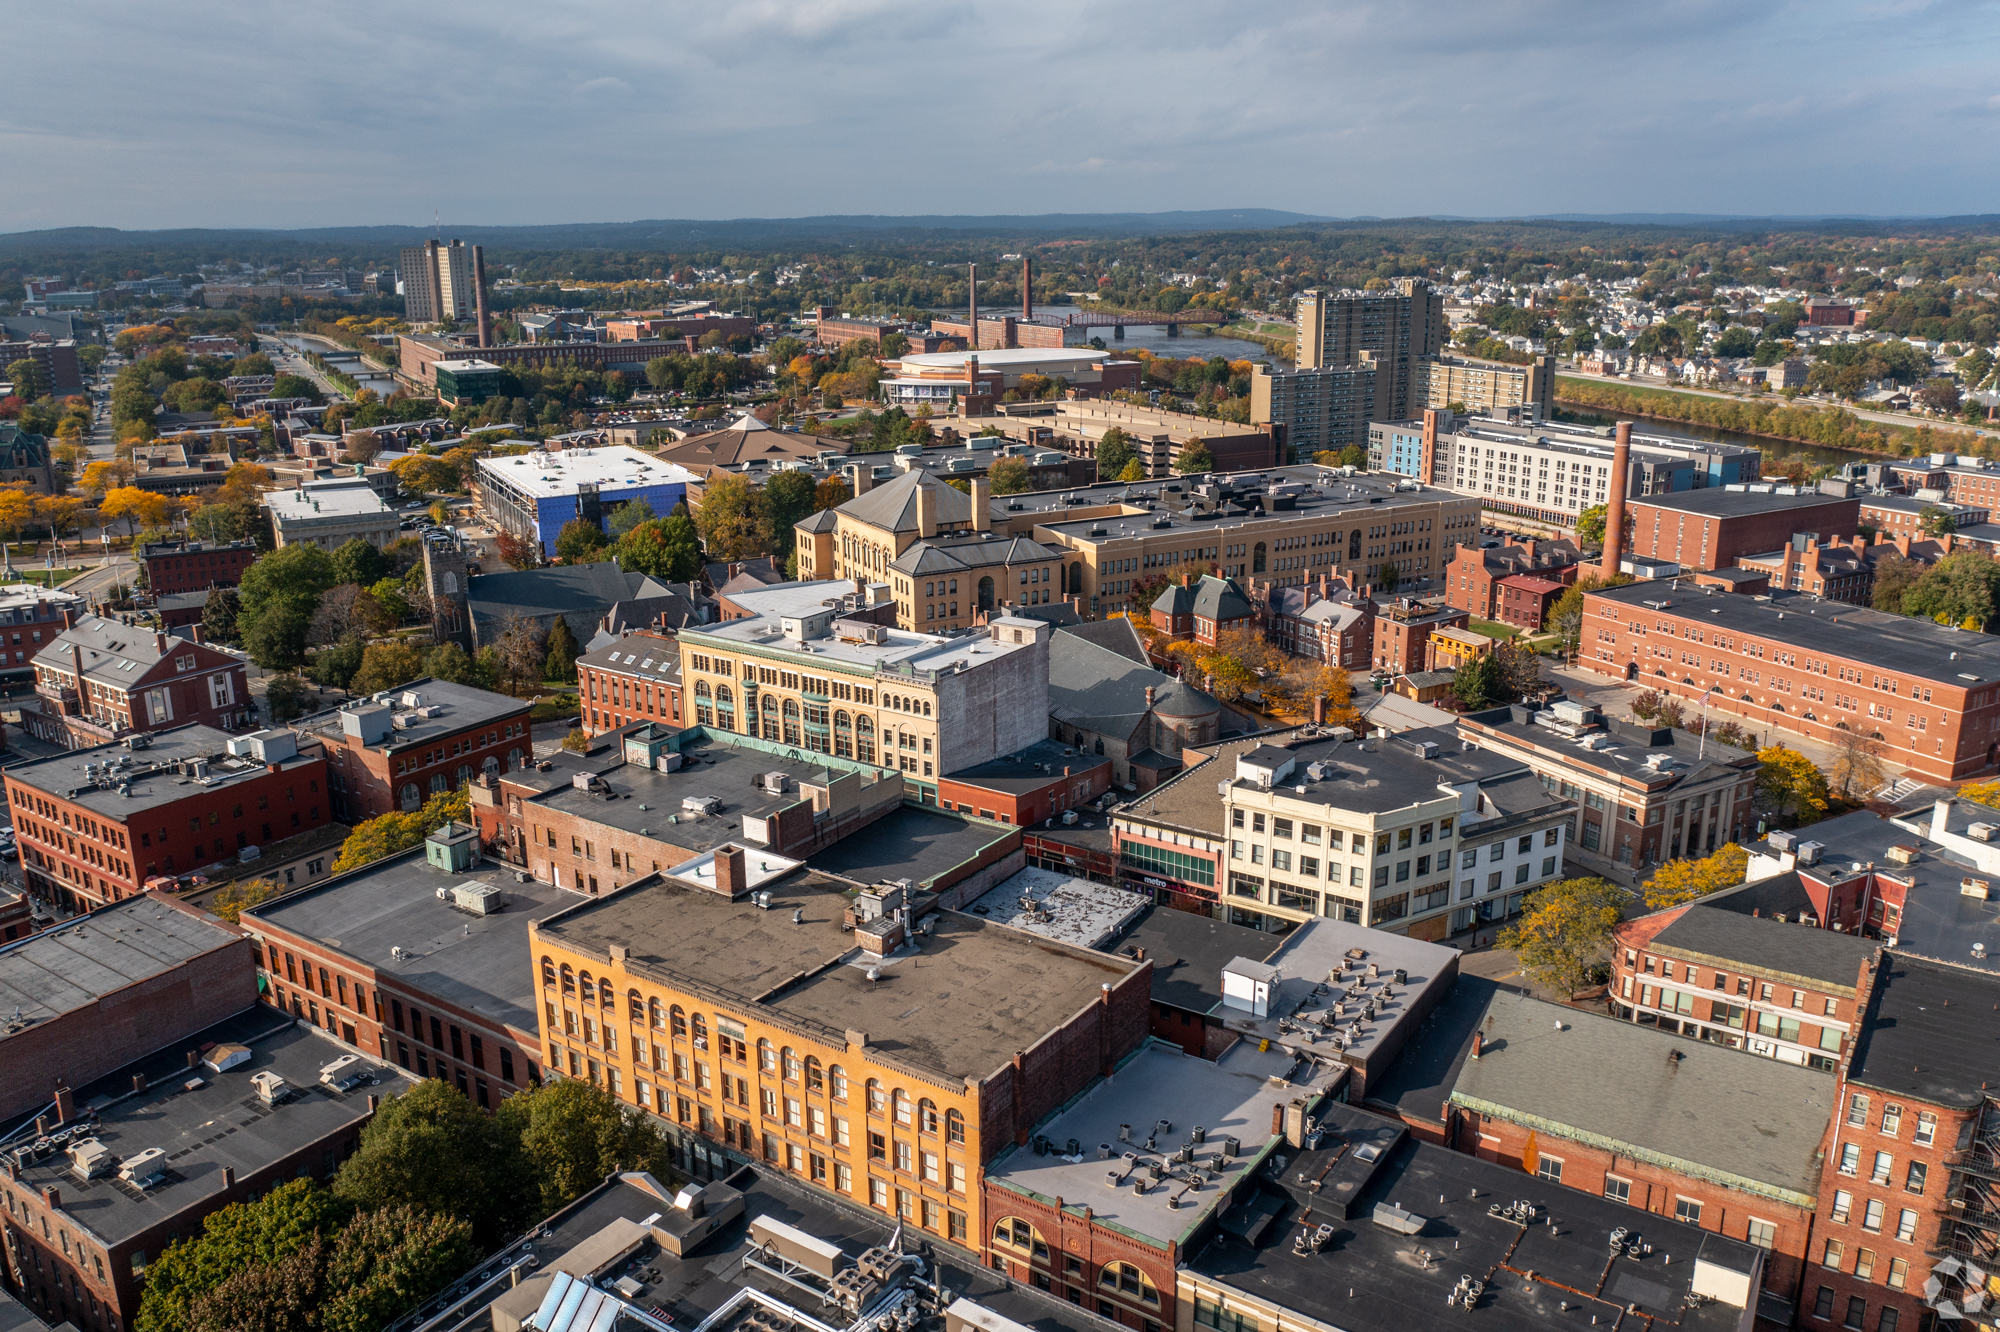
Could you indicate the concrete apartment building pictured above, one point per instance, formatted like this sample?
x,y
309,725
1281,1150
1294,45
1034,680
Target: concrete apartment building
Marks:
x,y
1325,409
788,1056
1717,971
1399,329
331,513
1478,387
194,566
1415,836
1644,794
84,1224
1708,529
532,495
438,284
395,751
801,673
100,825
1794,663
439,986
103,989
99,680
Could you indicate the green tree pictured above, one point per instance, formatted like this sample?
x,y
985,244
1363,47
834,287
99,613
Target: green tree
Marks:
x,y
28,380
218,616
387,665
451,663
1195,458
734,519
628,516
232,1238
579,542
1681,881
333,667
1010,476
1387,576
563,652
1564,930
576,1134
216,522
1590,526
1789,782
1476,683
286,697
1935,522
359,563
278,595
1894,577
1133,471
1736,341
1114,452
1959,589
789,498
665,548
296,386
388,1261
1354,456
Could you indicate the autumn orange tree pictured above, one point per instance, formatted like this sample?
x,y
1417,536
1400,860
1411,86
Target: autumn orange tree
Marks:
x,y
137,507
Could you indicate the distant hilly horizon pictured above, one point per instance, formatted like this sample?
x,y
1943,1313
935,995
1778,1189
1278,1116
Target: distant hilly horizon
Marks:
x,y
723,232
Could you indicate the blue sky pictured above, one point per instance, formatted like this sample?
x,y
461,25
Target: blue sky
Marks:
x,y
203,114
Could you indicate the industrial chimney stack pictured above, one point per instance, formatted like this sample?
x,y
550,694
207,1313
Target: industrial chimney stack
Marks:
x,y
1614,517
972,306
479,295
1027,287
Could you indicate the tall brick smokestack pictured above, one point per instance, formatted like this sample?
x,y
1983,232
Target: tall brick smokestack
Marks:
x,y
1614,517
1027,287
479,294
972,306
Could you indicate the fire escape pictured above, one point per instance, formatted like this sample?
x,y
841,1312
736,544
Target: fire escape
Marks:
x,y
1969,1219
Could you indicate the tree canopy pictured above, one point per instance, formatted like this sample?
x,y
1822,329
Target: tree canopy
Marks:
x,y
1678,882
1564,929
392,834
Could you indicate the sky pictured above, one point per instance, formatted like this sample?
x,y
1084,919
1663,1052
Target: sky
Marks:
x,y
364,113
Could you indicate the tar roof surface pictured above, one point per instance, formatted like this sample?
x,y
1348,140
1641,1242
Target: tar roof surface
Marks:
x,y
1366,1278
1019,778
463,707
150,776
920,845
1912,646
1188,953
959,1003
482,964
1930,1032
83,959
1630,749
221,1123
1377,776
1730,503
1753,1121
1766,947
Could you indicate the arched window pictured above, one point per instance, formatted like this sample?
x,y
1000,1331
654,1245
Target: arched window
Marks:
x,y
1076,579
725,707
770,709
588,989
1100,746
986,594
836,1082
704,714
450,583
464,775
548,971
635,1004
902,1107
877,1098
864,738
927,1116
791,721
606,997
412,800
954,1127
1128,1280
815,1075
679,1021
767,1056
1015,1233
490,765
568,980
513,760
699,1026
438,786
843,734
654,1017
793,1070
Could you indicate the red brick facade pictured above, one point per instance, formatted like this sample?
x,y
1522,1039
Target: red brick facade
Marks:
x,y
1069,789
176,682
369,781
1698,540
191,566
1402,635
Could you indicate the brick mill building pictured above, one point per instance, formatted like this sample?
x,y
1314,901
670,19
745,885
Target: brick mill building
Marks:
x,y
101,679
636,679
439,986
1928,693
397,750
1708,529
1476,581
100,825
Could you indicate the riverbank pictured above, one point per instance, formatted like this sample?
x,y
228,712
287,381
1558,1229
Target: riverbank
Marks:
x,y
1276,346
1823,426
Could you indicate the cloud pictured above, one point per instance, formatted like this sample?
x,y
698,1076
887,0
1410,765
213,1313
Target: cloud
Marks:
x,y
510,112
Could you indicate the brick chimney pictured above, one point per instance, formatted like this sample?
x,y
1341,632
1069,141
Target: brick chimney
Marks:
x,y
65,1103
926,510
982,504
52,1196
1621,479
160,643
1319,710
731,880
1150,692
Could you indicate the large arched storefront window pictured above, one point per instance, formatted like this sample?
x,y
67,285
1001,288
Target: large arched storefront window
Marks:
x,y
864,738
843,735
792,721
704,704
725,707
411,799
770,710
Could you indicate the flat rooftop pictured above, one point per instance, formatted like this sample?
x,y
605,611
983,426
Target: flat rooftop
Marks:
x,y
1060,906
1630,751
1769,948
1119,1114
1323,978
958,1002
145,779
898,651
1368,776
207,1127
648,802
74,964
1019,774
1318,489
914,842
460,707
1188,953
1929,1032
549,475
1368,1278
1751,1122
482,964
326,499
1913,646
1736,501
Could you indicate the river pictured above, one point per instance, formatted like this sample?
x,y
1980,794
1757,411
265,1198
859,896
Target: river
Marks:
x,y
347,362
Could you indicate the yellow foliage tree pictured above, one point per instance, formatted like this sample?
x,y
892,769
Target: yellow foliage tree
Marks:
x,y
139,508
1682,881
1790,781
60,512
392,834
17,508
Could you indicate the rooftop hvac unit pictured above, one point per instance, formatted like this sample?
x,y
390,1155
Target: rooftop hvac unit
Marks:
x,y
140,1167
271,1089
334,1072
1982,832
774,783
90,1158
583,781
412,699
1809,852
1782,841
701,805
477,898
1978,888
669,762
